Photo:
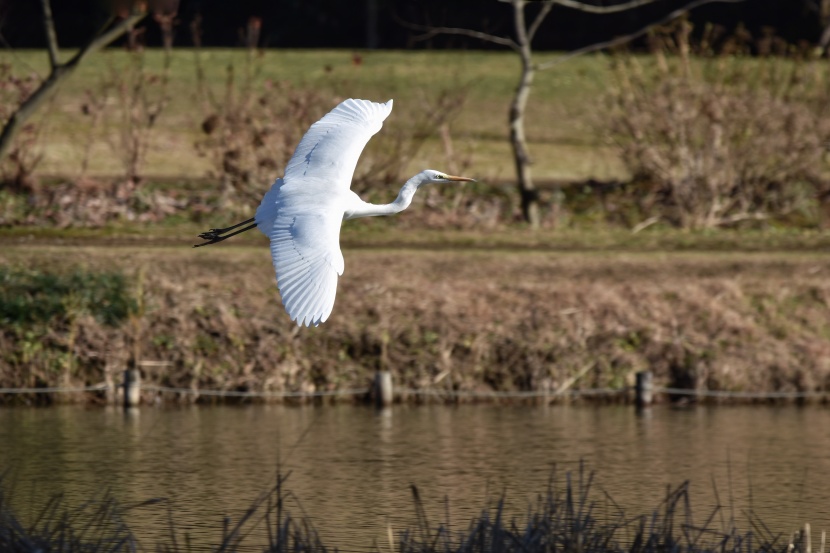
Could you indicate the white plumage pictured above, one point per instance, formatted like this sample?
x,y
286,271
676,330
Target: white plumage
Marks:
x,y
302,212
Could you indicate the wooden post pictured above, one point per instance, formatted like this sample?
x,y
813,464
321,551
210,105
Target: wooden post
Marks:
x,y
382,389
112,387
806,540
644,388
132,388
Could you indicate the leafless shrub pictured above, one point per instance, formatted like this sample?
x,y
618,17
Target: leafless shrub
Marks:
x,y
94,107
251,130
87,202
714,136
142,97
137,98
389,157
404,137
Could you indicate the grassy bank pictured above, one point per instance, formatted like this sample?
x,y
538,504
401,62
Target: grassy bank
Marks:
x,y
459,319
568,516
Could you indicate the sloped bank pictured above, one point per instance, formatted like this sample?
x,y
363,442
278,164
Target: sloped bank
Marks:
x,y
457,320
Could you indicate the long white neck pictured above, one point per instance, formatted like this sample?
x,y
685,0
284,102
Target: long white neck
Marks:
x,y
366,209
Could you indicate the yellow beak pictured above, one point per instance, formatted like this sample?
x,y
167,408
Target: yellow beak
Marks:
x,y
460,179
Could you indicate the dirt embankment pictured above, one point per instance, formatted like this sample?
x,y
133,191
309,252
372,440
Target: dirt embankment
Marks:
x,y
484,320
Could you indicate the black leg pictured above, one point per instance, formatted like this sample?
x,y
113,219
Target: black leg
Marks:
x,y
215,235
215,231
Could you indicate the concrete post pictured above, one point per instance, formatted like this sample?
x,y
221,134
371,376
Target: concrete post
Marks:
x,y
382,389
644,388
132,388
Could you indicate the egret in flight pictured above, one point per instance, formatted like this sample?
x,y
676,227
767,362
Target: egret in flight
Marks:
x,y
302,212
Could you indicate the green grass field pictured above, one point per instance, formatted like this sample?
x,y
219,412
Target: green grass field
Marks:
x,y
564,125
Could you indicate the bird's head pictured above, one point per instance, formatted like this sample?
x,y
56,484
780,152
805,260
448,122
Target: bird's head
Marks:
x,y
430,176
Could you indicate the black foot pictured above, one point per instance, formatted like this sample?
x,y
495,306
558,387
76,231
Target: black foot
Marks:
x,y
215,235
212,233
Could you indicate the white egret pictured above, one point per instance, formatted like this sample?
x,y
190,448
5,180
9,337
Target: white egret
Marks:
x,y
302,212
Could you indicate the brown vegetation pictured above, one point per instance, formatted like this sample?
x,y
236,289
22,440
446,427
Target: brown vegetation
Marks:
x,y
712,137
247,132
451,320
715,138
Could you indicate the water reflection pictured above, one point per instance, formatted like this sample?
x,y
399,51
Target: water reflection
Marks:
x,y
351,467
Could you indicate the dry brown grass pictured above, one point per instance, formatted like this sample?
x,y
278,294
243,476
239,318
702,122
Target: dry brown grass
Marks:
x,y
460,320
716,136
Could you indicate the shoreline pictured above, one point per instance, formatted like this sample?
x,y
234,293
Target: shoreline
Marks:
x,y
469,321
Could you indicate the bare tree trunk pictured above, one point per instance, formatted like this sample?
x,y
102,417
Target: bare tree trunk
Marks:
x,y
28,107
58,71
522,46
527,190
824,17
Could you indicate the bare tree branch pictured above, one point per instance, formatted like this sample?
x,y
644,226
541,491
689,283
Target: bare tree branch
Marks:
x,y
616,8
105,37
430,32
540,17
51,35
60,71
626,38
521,44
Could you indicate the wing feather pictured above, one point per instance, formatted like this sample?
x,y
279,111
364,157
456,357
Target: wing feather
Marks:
x,y
307,260
302,212
329,151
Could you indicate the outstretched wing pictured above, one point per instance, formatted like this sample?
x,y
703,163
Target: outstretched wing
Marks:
x,y
307,259
327,155
302,212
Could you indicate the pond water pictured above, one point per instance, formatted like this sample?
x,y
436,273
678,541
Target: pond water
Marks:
x,y
351,466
